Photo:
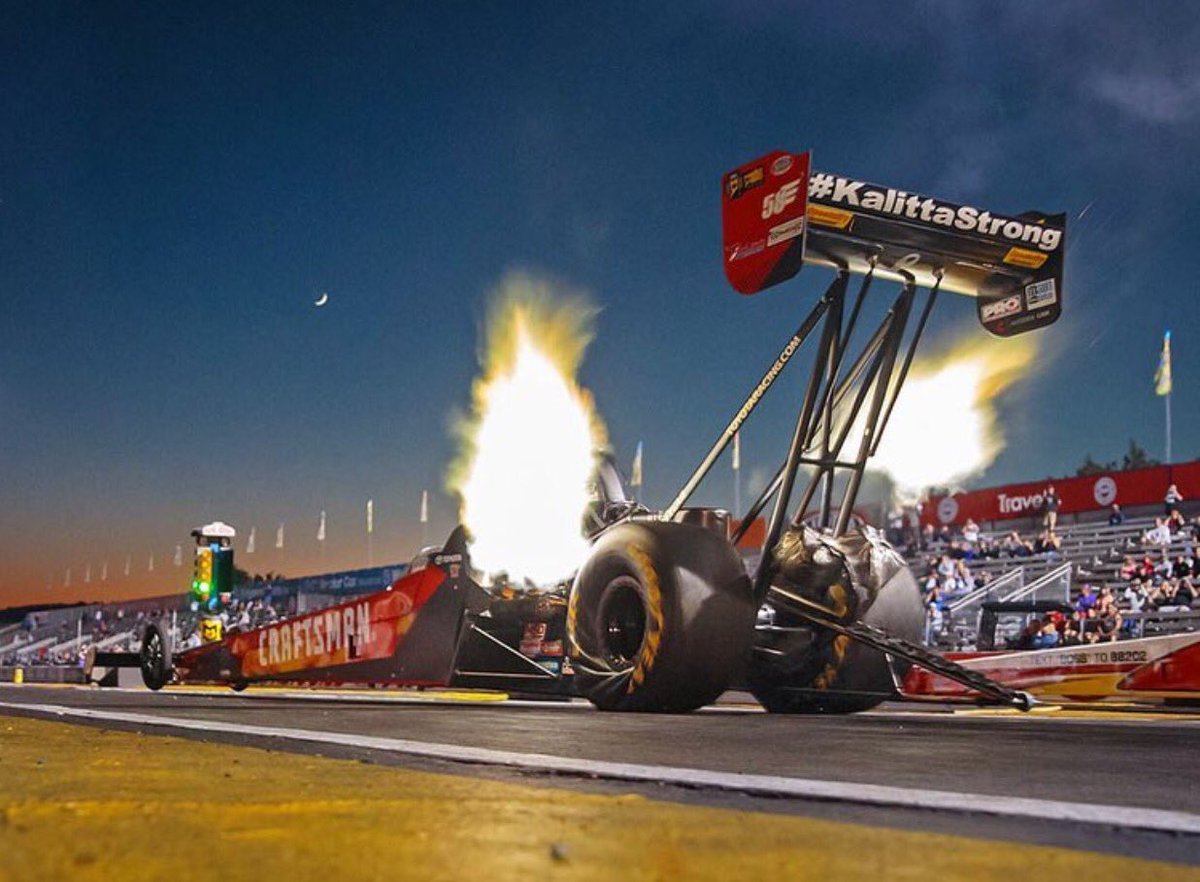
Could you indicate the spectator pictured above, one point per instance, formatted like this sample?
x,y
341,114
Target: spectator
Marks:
x,y
1136,596
970,531
1047,635
1050,503
1182,567
912,520
945,569
1086,599
1159,534
1171,501
962,575
933,612
895,530
1116,517
1108,625
1191,528
1146,568
1129,569
1176,524
1030,633
1048,543
1072,628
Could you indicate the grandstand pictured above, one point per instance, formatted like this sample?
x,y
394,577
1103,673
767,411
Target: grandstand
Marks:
x,y
1090,553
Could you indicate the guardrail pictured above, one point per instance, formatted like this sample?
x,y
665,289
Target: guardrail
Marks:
x,y
985,593
1152,623
1054,585
960,618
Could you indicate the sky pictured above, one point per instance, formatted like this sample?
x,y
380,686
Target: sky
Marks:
x,y
180,182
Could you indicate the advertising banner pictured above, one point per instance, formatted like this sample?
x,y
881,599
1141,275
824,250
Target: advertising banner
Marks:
x,y
1090,493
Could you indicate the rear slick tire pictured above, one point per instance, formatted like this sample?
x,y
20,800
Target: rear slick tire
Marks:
x,y
661,618
841,676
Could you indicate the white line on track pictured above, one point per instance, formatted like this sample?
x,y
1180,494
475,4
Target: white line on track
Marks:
x,y
765,785
458,699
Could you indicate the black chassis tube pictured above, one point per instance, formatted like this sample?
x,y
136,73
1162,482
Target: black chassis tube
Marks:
x,y
835,296
752,400
852,377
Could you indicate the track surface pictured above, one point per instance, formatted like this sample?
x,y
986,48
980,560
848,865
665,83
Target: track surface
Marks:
x,y
1130,761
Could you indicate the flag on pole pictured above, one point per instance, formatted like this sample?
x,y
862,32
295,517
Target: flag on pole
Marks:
x,y
250,542
737,451
321,527
1162,377
128,563
635,474
279,536
424,506
87,574
150,566
370,516
104,571
178,561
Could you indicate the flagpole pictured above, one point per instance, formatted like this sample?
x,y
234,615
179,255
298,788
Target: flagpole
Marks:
x,y
321,540
737,475
635,474
370,532
424,519
1168,403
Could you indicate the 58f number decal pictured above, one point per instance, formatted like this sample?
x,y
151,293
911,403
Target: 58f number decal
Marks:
x,y
776,202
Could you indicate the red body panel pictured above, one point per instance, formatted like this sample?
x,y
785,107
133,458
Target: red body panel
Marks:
x,y
355,633
763,219
1152,667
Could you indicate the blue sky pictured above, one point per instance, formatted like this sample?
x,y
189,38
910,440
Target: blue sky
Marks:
x,y
179,182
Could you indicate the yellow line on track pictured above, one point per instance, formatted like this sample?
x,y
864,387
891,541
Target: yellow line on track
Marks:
x,y
83,803
336,692
1093,713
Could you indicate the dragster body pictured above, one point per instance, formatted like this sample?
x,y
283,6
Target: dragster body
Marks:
x,y
1164,668
663,614
435,626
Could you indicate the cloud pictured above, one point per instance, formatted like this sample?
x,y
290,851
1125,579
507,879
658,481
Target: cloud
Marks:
x,y
1151,97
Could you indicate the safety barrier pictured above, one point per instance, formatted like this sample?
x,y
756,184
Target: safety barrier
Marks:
x,y
41,674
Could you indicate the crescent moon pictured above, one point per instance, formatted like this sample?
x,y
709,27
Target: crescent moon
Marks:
x,y
322,300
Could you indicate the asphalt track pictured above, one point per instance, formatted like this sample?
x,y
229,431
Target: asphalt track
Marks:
x,y
1125,783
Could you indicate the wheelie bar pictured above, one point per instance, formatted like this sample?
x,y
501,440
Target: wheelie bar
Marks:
x,y
894,646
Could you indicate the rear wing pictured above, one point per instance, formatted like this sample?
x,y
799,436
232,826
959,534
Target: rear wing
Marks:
x,y
777,216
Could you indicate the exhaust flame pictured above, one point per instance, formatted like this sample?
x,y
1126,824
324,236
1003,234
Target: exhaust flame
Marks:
x,y
528,446
944,427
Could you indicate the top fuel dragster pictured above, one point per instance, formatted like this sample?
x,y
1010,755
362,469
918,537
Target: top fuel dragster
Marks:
x,y
662,615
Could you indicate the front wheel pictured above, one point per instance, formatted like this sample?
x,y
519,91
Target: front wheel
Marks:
x,y
155,657
661,618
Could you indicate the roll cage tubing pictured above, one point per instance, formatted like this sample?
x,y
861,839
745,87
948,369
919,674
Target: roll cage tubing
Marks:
x,y
825,421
